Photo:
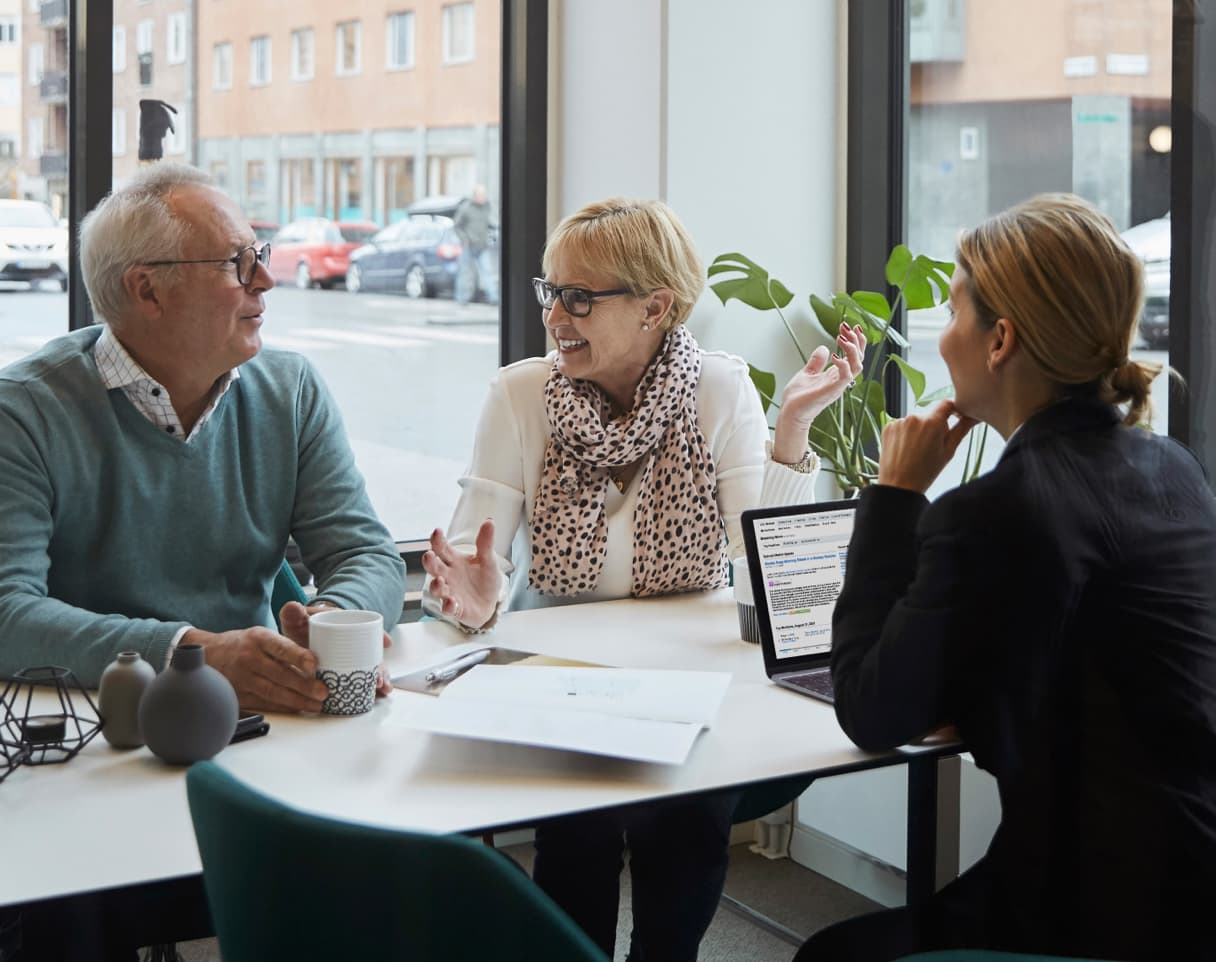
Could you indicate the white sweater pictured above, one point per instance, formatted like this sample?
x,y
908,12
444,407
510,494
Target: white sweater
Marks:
x,y
508,454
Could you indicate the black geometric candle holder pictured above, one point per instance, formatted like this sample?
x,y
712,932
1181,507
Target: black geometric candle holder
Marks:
x,y
12,753
46,737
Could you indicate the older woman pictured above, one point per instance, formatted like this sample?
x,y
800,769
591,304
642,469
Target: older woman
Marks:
x,y
1061,611
619,466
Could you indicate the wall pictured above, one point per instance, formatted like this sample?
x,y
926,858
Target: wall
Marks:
x,y
730,119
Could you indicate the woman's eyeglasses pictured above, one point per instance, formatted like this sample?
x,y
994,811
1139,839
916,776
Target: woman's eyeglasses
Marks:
x,y
246,261
577,301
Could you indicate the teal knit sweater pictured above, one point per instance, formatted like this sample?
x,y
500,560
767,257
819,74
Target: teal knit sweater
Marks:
x,y
113,534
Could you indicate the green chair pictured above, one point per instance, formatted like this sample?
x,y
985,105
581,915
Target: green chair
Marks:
x,y
286,885
985,955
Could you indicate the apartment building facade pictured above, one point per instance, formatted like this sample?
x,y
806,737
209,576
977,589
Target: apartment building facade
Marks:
x,y
1041,95
10,98
350,112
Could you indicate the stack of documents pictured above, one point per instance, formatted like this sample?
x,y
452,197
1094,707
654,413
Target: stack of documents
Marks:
x,y
649,715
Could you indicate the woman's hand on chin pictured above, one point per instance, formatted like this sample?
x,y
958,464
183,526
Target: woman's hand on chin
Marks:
x,y
466,586
824,379
916,448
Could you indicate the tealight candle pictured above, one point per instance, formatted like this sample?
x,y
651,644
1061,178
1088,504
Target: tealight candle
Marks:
x,y
41,729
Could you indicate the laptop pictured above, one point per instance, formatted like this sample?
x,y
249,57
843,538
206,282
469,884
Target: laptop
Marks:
x,y
796,558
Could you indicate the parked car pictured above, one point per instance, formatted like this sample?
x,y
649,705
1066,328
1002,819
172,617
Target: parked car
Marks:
x,y
417,257
442,207
33,244
1151,242
264,230
315,251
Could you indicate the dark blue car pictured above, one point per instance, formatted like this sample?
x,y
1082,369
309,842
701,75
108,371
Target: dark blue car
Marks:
x,y
418,257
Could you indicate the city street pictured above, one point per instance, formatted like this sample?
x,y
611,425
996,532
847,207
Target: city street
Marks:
x,y
410,377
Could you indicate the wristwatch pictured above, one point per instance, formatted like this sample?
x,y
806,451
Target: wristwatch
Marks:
x,y
804,466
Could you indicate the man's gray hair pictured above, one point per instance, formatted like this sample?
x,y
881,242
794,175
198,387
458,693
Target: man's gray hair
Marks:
x,y
132,225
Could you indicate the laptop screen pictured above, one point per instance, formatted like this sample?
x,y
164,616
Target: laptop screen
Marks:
x,y
801,554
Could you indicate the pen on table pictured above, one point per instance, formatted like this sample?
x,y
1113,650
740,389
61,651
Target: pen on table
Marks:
x,y
449,671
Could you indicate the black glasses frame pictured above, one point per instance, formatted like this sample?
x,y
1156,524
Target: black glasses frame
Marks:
x,y
261,255
578,304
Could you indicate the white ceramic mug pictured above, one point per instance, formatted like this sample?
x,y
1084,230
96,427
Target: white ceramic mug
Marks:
x,y
749,624
349,646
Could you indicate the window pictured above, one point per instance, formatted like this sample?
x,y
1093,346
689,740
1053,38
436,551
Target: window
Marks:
x,y
344,186
303,51
221,66
255,181
219,170
458,33
143,36
348,56
8,30
175,139
175,38
33,145
450,175
118,50
297,180
259,61
118,132
980,141
399,41
8,149
34,64
10,90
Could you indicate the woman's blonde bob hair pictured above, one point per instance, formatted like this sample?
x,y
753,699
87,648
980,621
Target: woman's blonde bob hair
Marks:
x,y
639,242
1056,267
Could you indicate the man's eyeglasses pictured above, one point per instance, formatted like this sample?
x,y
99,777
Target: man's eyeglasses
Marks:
x,y
246,261
576,300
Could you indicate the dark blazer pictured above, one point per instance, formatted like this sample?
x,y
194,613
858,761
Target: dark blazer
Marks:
x,y
1061,611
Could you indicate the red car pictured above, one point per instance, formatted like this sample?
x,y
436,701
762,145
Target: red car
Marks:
x,y
315,252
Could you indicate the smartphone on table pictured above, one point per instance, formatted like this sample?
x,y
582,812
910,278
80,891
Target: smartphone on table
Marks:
x,y
249,724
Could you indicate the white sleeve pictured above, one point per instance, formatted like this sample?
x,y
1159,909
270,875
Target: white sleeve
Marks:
x,y
493,487
747,476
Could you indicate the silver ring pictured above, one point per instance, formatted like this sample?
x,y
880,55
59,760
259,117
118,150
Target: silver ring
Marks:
x,y
459,608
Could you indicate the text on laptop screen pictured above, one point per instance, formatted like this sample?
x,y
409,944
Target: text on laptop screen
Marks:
x,y
803,557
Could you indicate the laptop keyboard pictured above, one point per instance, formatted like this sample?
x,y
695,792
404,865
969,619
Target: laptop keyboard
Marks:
x,y
819,681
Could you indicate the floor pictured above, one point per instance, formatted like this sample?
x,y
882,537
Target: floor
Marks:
x,y
786,892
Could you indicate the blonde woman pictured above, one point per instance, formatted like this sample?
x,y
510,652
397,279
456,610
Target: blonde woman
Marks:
x,y
619,466
1060,611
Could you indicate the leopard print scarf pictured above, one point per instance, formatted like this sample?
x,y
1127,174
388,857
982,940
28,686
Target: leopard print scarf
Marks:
x,y
679,543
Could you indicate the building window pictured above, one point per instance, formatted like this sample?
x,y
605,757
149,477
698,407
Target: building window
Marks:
x,y
118,50
450,175
255,185
219,171
221,66
175,138
175,39
118,132
8,149
259,61
34,64
344,187
349,53
8,30
399,53
458,33
10,90
303,54
143,51
298,188
33,142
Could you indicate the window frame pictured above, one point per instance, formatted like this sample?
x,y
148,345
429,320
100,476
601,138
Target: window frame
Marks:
x,y
118,48
12,25
297,36
447,14
118,132
341,68
221,54
390,46
175,26
256,79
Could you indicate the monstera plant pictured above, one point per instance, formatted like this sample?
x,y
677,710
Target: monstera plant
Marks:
x,y
847,435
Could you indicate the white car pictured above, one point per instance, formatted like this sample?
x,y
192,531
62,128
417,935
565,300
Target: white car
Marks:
x,y
33,244
1150,241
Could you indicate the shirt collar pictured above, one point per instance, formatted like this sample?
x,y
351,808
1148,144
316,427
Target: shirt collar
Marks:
x,y
118,369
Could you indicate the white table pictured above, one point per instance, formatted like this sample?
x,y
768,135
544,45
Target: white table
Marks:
x,y
110,818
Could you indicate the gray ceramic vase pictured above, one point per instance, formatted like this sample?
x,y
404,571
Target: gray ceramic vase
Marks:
x,y
189,712
122,686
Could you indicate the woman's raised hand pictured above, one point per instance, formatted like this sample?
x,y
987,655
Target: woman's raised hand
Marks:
x,y
825,377
466,586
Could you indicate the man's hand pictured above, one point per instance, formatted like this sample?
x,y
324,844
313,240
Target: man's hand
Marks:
x,y
268,671
293,617
916,448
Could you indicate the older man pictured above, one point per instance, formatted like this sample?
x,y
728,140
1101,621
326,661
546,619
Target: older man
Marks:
x,y
153,467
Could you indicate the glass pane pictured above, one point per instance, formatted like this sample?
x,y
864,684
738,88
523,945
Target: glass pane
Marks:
x,y
328,123
1083,107
34,247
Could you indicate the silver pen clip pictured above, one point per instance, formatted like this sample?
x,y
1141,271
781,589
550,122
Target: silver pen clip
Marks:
x,y
452,669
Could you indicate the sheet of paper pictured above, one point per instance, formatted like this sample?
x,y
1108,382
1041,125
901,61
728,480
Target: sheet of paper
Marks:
x,y
656,695
644,740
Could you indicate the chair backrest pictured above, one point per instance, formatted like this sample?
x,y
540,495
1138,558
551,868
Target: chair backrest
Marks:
x,y
286,588
286,885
